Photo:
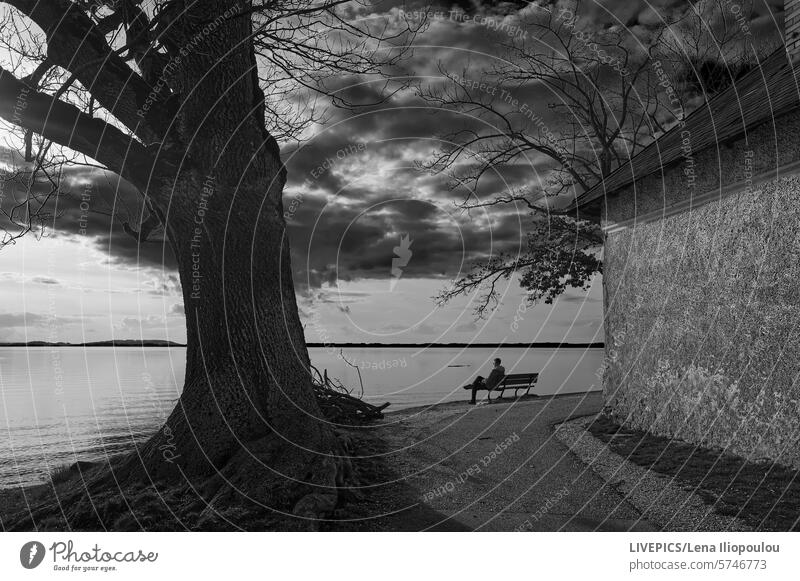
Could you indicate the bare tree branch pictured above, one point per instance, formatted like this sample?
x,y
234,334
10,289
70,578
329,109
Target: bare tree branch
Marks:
x,y
607,94
65,124
78,46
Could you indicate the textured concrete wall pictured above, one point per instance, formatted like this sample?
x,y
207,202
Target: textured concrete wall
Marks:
x,y
703,308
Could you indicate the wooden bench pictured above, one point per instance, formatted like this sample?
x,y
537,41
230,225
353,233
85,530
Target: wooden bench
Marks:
x,y
515,381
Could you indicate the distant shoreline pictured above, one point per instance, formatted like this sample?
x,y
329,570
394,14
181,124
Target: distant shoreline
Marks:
x,y
114,343
468,345
162,343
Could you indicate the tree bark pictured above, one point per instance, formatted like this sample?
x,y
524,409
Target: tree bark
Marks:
x,y
247,412
247,419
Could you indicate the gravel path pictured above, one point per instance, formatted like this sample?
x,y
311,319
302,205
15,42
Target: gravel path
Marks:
x,y
500,467
657,497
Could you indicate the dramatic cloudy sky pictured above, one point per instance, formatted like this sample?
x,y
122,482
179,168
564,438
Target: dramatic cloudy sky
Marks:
x,y
345,221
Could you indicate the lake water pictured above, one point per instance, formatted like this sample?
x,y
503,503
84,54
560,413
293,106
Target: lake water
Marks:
x,y
60,405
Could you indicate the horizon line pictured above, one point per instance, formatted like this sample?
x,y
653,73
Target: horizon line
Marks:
x,y
168,343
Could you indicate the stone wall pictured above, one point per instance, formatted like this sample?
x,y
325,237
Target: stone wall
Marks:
x,y
703,308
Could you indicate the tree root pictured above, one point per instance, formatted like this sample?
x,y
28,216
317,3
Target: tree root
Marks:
x,y
339,407
267,484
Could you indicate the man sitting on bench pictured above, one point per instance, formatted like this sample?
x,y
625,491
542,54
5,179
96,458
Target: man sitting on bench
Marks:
x,y
495,377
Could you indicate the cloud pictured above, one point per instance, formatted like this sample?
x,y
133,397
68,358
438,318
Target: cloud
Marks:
x,y
137,325
35,320
23,319
45,280
93,204
25,326
354,188
164,284
426,329
468,327
579,299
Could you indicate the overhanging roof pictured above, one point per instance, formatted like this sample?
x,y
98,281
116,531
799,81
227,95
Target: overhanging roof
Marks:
x,y
761,95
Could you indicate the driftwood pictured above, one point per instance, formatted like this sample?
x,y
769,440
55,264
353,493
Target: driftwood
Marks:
x,y
358,370
339,406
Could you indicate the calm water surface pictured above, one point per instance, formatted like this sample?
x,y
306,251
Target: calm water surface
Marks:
x,y
59,405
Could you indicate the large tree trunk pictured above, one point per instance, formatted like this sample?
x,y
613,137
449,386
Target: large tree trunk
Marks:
x,y
247,422
247,418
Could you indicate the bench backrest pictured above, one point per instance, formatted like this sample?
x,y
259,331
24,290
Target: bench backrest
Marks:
x,y
519,379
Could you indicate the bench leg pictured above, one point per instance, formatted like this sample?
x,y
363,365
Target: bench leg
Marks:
x,y
527,391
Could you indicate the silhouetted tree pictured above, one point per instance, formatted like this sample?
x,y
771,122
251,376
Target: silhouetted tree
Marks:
x,y
610,91
185,99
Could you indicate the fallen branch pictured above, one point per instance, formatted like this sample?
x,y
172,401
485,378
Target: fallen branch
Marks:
x,y
358,370
338,406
